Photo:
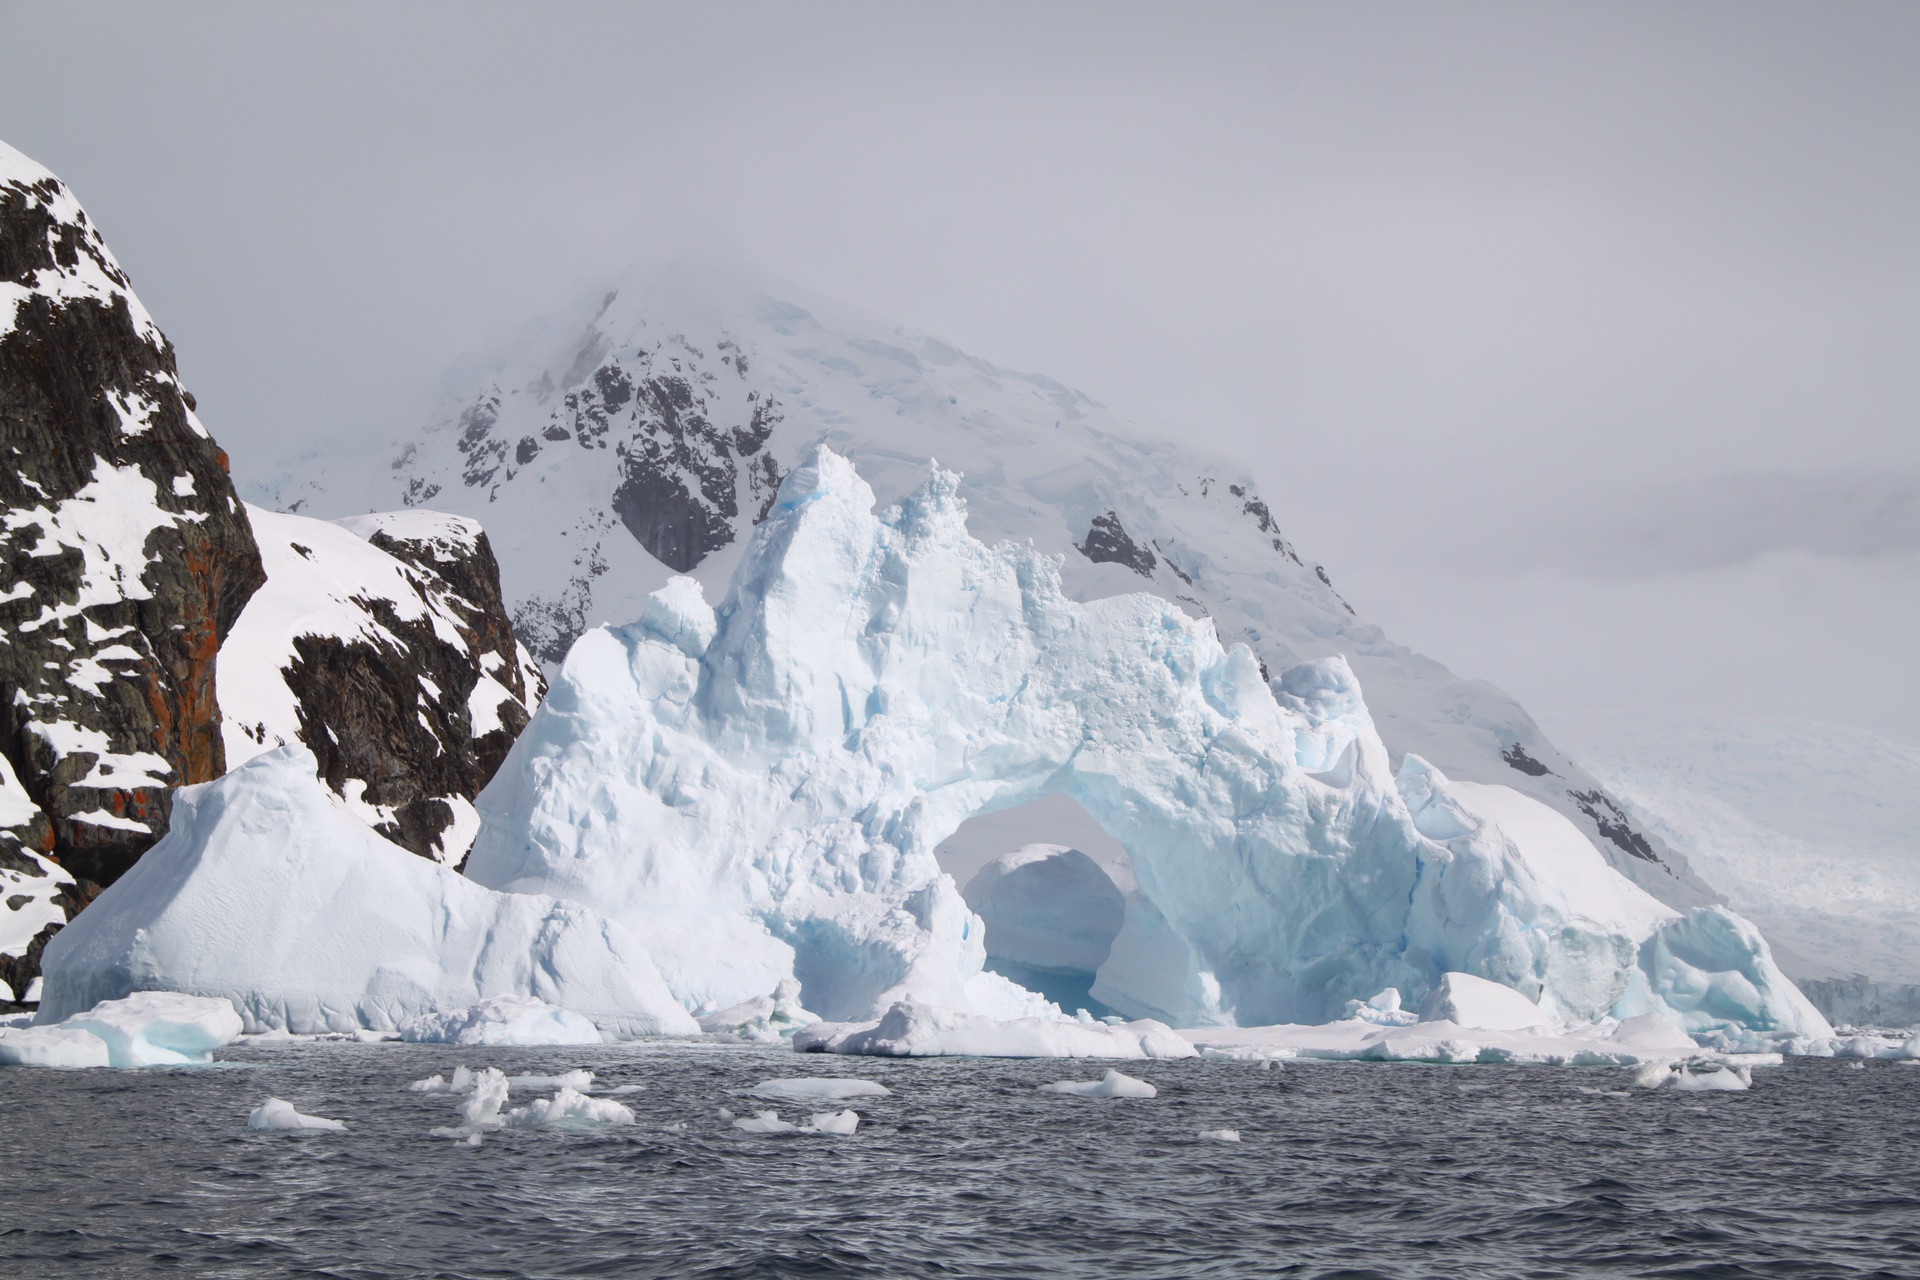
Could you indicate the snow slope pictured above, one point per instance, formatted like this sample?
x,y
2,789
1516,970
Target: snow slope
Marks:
x,y
651,438
1809,828
757,791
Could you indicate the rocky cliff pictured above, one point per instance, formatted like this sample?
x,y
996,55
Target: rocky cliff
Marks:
x,y
381,643
125,558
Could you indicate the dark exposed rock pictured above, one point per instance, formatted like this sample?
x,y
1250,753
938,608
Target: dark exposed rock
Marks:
x,y
125,556
1107,543
1612,823
408,686
1516,756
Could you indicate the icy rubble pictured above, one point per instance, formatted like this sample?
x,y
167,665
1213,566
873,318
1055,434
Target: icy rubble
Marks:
x,y
757,791
763,1019
913,1030
268,892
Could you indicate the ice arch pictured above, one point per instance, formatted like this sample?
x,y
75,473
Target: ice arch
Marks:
x,y
757,790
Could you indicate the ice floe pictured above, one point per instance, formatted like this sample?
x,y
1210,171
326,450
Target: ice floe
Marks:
x,y
1111,1085
838,1123
146,1029
819,1089
1220,1135
279,1115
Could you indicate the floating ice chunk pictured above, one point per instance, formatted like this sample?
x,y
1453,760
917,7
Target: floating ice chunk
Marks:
x,y
914,1030
1695,1077
277,1115
462,1082
481,1112
579,1081
502,1020
1111,1085
157,1028
762,1019
569,1109
764,1122
620,1089
819,1089
1469,1001
674,1126
839,1123
51,1047
1220,1135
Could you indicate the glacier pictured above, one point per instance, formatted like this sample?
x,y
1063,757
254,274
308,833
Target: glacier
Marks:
x,y
269,891
756,790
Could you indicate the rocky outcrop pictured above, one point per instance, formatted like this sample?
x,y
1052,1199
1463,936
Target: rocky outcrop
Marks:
x,y
381,643
125,556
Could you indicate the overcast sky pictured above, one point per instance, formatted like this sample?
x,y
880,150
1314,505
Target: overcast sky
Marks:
x,y
1581,342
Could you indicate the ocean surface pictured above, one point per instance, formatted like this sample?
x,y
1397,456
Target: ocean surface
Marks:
x,y
1348,1170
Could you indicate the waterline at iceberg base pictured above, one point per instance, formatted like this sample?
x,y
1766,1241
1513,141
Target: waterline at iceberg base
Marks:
x,y
738,796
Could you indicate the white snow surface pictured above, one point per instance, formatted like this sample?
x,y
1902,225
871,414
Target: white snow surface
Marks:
x,y
539,444
502,1020
279,1115
913,1030
268,892
757,790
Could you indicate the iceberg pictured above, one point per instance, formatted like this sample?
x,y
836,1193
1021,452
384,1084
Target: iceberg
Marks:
x,y
502,1020
279,1115
756,789
268,892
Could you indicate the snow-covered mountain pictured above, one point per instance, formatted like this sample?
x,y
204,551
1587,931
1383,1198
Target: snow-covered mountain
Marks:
x,y
651,439
135,607
1808,828
382,646
124,559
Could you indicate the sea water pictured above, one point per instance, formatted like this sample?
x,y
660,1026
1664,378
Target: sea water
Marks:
x,y
1350,1170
